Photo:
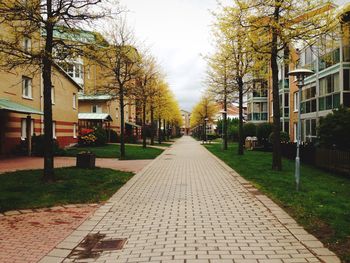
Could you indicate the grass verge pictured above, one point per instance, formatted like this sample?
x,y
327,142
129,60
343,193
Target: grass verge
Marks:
x,y
322,205
25,189
133,152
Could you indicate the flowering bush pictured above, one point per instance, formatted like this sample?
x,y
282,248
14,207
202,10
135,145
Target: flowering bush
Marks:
x,y
95,136
87,137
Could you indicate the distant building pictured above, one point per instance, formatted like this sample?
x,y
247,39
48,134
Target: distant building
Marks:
x,y
186,118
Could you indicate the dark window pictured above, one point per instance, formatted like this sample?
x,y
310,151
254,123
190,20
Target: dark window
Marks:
x,y
286,99
329,103
286,127
346,99
346,79
313,106
321,105
313,127
336,100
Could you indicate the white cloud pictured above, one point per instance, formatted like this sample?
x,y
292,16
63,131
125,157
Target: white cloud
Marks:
x,y
178,31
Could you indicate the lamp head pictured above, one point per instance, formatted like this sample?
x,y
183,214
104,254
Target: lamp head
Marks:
x,y
301,73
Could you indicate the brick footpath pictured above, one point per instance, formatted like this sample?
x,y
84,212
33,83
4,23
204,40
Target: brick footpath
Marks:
x,y
28,235
187,206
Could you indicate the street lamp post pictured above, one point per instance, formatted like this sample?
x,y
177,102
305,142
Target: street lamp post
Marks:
x,y
205,129
300,74
223,129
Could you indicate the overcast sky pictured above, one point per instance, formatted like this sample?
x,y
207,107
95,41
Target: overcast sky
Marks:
x,y
178,32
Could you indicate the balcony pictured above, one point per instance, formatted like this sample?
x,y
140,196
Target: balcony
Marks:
x,y
329,59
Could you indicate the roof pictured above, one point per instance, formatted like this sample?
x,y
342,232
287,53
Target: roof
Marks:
x,y
133,124
8,105
95,97
94,116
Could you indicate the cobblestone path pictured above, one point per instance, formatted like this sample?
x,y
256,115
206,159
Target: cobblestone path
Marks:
x,y
187,206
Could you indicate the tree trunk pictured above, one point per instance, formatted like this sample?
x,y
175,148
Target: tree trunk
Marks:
x,y
276,154
122,123
168,132
46,74
144,142
224,121
152,125
159,130
164,130
240,133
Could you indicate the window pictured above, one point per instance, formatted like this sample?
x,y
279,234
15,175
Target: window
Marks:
x,y
54,130
296,101
346,79
24,128
74,100
27,44
96,108
74,130
26,87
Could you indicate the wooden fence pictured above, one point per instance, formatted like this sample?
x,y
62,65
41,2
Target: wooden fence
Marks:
x,y
329,159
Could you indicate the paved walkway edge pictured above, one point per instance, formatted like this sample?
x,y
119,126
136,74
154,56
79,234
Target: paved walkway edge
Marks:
x,y
309,241
63,249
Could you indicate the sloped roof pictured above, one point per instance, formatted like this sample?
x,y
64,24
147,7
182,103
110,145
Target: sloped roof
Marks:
x,y
94,116
95,97
8,105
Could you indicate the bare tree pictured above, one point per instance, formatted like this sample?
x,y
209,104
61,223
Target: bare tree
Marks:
x,y
122,60
39,20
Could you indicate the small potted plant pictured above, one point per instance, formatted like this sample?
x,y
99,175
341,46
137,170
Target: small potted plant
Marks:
x,y
86,159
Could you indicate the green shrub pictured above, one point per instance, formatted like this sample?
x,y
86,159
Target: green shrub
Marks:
x,y
38,143
263,132
233,133
212,136
284,137
101,136
334,129
114,137
249,129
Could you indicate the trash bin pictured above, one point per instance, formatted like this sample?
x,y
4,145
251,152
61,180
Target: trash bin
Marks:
x,y
86,160
248,142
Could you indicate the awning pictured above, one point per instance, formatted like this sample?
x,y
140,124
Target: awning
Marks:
x,y
133,124
94,116
8,105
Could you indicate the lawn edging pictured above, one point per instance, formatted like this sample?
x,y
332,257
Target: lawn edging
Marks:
x,y
309,241
63,249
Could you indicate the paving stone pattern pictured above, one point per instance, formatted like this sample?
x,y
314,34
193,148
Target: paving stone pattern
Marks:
x,y
28,235
187,206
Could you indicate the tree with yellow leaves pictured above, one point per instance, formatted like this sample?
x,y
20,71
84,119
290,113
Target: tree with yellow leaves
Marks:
x,y
204,111
274,25
233,65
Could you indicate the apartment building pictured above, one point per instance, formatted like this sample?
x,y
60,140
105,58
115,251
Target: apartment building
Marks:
x,y
186,118
21,98
323,92
97,107
21,108
257,102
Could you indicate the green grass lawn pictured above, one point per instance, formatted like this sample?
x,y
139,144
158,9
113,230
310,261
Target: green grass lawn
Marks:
x,y
25,189
133,152
322,205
